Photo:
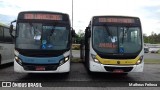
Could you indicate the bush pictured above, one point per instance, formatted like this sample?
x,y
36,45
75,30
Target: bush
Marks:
x,y
75,46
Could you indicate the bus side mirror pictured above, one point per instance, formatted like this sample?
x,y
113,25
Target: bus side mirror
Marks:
x,y
73,33
11,29
82,41
88,32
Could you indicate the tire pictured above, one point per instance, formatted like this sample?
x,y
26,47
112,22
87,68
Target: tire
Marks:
x,y
124,74
66,73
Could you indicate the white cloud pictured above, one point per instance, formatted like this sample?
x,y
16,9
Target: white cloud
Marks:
x,y
85,9
47,5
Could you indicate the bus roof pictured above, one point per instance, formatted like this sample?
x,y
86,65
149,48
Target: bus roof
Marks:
x,y
42,12
43,15
116,16
115,19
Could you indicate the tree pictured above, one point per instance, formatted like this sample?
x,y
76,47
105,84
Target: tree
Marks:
x,y
79,36
153,38
80,33
146,39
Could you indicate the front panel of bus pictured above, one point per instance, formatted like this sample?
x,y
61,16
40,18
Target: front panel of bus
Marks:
x,y
42,42
116,44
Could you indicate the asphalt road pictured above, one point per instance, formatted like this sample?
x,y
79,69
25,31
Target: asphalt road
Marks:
x,y
76,53
152,56
80,79
79,73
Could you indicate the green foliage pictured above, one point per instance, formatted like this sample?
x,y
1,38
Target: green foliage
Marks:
x,y
79,37
153,38
76,60
76,47
151,61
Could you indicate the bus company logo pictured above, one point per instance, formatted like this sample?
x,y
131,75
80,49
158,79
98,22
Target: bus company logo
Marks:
x,y
6,84
118,62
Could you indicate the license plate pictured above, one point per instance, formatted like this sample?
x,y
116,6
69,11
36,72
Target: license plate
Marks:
x,y
40,68
118,71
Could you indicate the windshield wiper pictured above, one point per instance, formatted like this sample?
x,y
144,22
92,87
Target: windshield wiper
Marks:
x,y
124,34
54,26
33,27
107,29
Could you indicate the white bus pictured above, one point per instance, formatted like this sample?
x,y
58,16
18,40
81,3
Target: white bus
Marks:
x,y
113,44
42,42
6,45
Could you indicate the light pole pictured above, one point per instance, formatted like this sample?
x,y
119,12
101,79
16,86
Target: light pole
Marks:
x,y
72,21
72,13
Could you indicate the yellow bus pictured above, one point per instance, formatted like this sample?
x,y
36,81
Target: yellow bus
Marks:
x,y
113,44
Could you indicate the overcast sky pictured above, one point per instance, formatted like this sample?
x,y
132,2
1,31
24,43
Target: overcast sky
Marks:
x,y
147,10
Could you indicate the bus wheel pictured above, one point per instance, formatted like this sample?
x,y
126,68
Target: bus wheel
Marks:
x,y
124,74
66,73
31,74
90,72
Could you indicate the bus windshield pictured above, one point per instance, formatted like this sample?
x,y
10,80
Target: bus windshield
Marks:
x,y
42,36
117,39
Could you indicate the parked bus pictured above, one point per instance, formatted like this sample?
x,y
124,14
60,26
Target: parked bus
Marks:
x,y
113,44
6,45
42,42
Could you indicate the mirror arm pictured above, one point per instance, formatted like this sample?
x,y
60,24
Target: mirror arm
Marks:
x,y
11,29
73,32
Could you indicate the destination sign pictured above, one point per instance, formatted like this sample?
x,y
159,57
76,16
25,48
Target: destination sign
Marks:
x,y
42,16
116,20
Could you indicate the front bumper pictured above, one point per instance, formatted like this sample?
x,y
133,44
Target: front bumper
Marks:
x,y
60,69
96,67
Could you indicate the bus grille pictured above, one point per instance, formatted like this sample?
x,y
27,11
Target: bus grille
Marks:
x,y
111,69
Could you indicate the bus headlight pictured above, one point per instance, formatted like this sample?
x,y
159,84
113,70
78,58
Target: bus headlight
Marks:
x,y
139,60
19,61
64,60
61,62
94,58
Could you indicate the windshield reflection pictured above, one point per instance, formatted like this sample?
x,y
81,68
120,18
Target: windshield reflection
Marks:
x,y
42,36
114,39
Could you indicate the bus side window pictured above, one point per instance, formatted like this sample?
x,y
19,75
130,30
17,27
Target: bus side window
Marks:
x,y
7,37
1,34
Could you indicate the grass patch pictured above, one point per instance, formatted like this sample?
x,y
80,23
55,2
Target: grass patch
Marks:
x,y
151,61
75,46
76,60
